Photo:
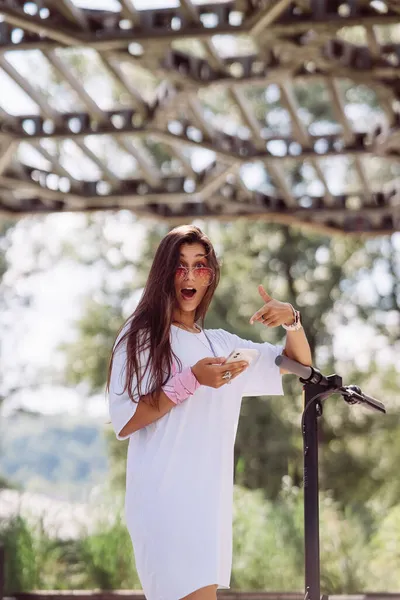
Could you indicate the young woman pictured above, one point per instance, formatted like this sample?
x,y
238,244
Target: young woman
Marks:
x,y
172,396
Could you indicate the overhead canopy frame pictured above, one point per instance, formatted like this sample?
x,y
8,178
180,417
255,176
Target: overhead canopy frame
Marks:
x,y
258,152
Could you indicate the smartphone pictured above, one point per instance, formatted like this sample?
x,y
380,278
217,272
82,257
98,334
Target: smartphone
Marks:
x,y
240,354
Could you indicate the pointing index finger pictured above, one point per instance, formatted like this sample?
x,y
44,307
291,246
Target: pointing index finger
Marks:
x,y
257,315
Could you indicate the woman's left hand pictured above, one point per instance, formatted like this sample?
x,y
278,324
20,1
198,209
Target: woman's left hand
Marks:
x,y
274,312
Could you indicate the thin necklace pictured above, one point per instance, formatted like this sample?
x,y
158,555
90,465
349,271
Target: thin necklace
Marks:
x,y
186,327
201,330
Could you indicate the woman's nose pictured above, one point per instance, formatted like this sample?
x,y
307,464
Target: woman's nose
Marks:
x,y
190,275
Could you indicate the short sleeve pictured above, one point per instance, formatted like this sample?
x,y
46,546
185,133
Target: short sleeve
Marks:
x,y
263,377
121,408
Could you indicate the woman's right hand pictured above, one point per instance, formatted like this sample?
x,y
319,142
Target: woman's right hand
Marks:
x,y
209,371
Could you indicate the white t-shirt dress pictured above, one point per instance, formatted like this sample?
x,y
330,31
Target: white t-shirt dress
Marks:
x,y
179,478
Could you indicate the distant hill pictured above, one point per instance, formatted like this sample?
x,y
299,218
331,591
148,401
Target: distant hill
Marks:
x,y
61,456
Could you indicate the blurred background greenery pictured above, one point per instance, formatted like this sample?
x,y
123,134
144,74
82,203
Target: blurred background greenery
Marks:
x,y
336,285
349,294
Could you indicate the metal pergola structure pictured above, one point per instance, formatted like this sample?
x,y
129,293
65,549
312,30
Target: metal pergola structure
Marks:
x,y
288,43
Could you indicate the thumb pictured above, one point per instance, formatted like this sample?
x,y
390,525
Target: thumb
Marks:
x,y
264,295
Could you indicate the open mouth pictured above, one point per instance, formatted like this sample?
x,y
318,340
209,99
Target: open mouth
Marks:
x,y
188,293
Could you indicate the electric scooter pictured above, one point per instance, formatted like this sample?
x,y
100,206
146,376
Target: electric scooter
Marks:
x,y
316,388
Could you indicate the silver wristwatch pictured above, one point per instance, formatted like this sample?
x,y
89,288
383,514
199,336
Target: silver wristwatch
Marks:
x,y
297,321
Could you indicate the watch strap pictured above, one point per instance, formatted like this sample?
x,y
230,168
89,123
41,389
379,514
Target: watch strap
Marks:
x,y
296,325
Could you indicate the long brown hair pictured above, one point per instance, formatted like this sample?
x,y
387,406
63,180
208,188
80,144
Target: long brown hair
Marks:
x,y
150,323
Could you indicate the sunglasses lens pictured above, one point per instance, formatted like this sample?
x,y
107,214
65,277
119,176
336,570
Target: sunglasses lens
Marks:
x,y
205,275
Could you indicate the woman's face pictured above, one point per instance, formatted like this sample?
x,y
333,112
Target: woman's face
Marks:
x,y
192,277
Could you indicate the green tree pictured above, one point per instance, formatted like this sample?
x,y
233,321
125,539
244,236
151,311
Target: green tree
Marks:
x,y
307,270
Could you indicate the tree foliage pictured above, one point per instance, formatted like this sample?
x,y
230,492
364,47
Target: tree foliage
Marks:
x,y
316,274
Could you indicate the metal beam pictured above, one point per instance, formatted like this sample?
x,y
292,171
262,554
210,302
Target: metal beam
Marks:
x,y
348,134
34,93
108,175
170,138
115,71
145,161
84,199
73,13
66,73
296,48
267,17
7,150
53,160
129,11
289,101
120,38
39,26
278,177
